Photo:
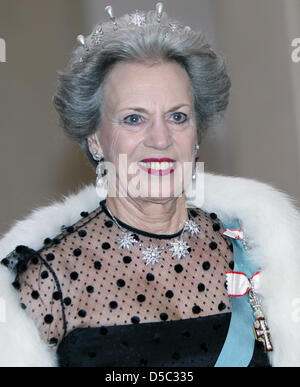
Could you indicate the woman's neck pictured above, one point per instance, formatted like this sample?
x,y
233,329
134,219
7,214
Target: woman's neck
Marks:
x,y
157,217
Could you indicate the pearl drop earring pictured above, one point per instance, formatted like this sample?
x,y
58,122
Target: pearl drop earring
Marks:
x,y
96,155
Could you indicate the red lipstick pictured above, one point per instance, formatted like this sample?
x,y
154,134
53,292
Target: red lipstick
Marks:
x,y
155,160
158,172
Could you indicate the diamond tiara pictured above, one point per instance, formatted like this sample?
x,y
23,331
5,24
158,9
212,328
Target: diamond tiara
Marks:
x,y
136,18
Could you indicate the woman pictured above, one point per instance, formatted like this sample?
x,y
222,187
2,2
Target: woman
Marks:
x,y
161,273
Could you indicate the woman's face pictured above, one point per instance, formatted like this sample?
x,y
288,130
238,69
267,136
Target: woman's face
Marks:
x,y
148,129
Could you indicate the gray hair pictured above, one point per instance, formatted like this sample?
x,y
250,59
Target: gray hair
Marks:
x,y
79,95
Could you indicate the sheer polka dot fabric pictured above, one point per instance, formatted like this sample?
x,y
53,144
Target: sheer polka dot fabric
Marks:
x,y
82,279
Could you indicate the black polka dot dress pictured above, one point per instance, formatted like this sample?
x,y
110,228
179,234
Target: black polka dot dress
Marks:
x,y
99,305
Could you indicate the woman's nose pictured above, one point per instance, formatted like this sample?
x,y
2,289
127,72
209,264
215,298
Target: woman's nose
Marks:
x,y
158,135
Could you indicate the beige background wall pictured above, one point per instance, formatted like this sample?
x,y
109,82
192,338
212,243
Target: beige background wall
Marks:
x,y
264,130
259,137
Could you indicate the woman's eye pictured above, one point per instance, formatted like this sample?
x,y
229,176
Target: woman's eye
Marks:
x,y
136,119
179,118
132,119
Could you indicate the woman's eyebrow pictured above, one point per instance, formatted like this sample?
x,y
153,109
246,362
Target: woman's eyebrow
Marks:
x,y
142,110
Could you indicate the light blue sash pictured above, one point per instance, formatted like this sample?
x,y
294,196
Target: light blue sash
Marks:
x,y
238,348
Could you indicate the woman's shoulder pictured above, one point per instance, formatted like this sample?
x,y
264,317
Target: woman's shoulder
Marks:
x,y
46,225
23,256
46,221
207,218
39,271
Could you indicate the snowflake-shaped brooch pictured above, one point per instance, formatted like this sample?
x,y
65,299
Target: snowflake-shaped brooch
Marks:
x,y
152,255
126,240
